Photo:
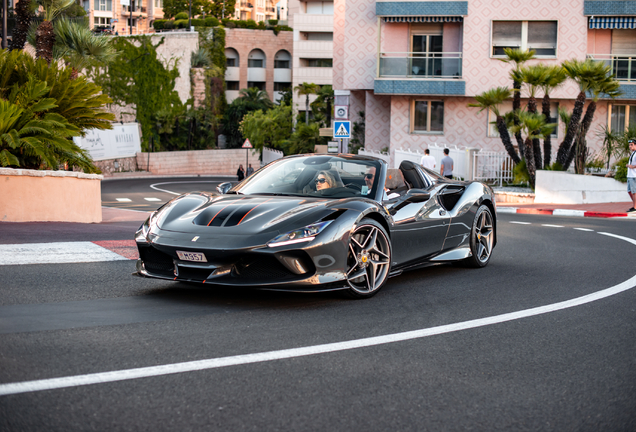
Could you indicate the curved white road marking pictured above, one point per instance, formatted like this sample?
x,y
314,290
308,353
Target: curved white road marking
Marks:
x,y
520,223
552,226
145,372
153,186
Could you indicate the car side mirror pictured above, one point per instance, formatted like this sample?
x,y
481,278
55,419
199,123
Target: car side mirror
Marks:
x,y
224,187
412,196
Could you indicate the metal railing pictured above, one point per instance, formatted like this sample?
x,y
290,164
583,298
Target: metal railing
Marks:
x,y
492,167
623,66
421,64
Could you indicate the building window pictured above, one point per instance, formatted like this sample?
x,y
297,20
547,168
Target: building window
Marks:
x,y
281,64
282,86
427,116
316,62
507,107
255,63
258,85
622,117
159,3
320,8
540,36
230,62
232,85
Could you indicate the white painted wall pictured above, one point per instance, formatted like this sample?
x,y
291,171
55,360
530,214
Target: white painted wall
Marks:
x,y
558,187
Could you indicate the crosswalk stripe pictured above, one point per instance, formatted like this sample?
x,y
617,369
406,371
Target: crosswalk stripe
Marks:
x,y
60,253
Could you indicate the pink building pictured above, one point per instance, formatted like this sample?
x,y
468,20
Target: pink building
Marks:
x,y
413,66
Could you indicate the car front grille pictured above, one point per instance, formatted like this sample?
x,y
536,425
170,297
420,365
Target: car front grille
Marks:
x,y
156,261
263,268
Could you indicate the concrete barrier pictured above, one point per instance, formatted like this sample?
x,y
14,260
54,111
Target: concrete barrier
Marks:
x,y
208,162
558,187
49,196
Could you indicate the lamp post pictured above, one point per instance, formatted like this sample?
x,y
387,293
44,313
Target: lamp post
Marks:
x,y
190,17
5,12
130,9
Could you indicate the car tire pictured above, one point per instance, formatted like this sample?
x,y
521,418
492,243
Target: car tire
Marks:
x,y
482,238
368,259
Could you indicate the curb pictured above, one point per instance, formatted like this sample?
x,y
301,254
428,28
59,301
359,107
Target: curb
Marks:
x,y
562,212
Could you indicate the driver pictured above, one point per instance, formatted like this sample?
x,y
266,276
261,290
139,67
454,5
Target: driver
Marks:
x,y
369,177
325,180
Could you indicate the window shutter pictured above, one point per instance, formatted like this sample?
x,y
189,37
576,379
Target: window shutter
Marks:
x,y
542,34
623,42
506,33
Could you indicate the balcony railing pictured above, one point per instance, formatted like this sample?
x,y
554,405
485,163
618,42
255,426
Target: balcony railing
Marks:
x,y
421,65
623,66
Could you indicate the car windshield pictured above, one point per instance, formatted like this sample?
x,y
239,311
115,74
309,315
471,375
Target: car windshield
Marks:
x,y
314,176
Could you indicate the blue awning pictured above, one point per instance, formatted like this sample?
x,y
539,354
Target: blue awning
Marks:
x,y
612,22
423,19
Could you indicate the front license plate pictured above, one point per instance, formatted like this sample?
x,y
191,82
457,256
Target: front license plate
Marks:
x,y
191,256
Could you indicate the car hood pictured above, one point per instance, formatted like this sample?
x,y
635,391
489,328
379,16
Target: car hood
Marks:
x,y
237,215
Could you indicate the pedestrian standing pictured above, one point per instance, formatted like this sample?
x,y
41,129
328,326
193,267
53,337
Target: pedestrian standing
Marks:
x,y
447,165
250,170
428,161
240,172
631,174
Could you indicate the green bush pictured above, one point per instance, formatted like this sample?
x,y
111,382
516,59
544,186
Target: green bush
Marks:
x,y
197,22
168,25
261,26
231,25
181,16
211,22
520,173
159,24
620,170
250,24
181,23
273,22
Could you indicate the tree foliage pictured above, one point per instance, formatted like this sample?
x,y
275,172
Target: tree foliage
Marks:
x,y
200,8
250,100
271,128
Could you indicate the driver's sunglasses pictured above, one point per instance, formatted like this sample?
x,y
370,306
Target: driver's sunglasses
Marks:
x,y
320,180
368,176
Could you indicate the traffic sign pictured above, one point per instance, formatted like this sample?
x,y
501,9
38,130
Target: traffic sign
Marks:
x,y
247,144
342,129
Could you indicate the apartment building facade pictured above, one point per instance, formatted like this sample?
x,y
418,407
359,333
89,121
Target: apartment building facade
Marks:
x,y
313,26
258,58
257,10
414,66
123,16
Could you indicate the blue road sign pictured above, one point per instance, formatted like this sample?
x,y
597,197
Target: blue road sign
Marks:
x,y
342,129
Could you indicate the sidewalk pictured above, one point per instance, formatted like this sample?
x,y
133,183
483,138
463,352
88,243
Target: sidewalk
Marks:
x,y
605,210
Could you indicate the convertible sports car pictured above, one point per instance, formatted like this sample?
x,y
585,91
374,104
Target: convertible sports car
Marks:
x,y
319,222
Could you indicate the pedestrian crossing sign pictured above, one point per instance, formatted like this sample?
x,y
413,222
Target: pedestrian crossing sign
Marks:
x,y
342,129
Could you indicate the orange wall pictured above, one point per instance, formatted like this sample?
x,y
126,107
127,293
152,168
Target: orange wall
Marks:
x,y
599,41
60,197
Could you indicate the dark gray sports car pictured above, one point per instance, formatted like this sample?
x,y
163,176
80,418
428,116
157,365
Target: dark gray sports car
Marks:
x,y
319,222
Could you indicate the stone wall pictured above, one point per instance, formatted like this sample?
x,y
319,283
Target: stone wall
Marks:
x,y
49,196
198,86
110,166
208,162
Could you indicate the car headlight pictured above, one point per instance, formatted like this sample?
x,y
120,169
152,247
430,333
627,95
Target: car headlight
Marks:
x,y
300,235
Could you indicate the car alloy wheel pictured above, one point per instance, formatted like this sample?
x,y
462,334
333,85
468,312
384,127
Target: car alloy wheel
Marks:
x,y
368,259
482,237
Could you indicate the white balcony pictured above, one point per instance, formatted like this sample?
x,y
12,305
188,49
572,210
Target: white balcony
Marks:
x,y
313,49
102,14
256,74
232,74
312,22
230,95
317,75
282,75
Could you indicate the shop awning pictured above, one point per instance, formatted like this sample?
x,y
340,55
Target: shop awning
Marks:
x,y
606,22
423,19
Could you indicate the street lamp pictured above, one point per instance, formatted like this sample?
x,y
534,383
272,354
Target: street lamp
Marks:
x,y
190,17
5,12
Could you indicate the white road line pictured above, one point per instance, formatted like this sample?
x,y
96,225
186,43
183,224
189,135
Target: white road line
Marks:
x,y
584,229
521,223
154,186
55,253
144,372
152,199
123,199
552,226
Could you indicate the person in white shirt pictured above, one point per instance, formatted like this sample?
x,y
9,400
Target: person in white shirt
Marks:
x,y
428,161
631,174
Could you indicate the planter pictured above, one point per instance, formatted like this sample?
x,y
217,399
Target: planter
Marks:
x,y
49,196
558,187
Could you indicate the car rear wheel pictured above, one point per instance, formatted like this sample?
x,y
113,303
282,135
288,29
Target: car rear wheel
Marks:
x,y
482,238
368,260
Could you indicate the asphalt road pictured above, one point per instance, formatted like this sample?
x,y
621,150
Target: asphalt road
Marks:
x,y
573,368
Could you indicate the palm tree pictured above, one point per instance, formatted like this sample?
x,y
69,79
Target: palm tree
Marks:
x,y
534,77
255,96
584,73
24,13
78,46
306,89
324,103
491,100
555,76
45,33
604,86
517,57
532,125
